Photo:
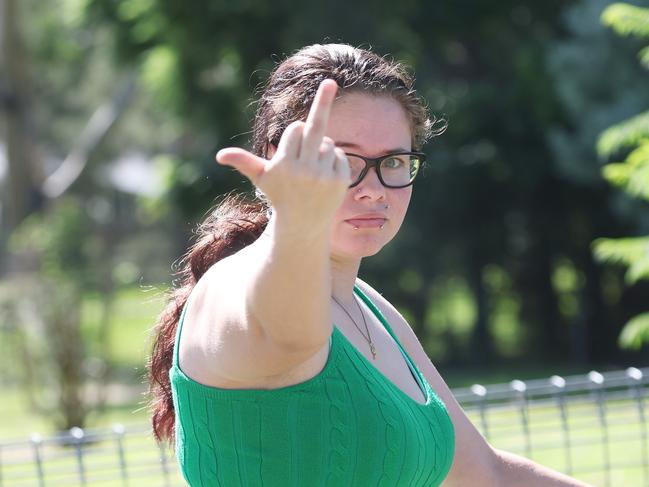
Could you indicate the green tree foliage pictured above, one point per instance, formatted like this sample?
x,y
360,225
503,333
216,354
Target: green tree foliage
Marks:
x,y
627,19
43,305
81,235
503,219
494,258
631,175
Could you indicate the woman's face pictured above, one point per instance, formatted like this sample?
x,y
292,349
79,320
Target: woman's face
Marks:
x,y
371,214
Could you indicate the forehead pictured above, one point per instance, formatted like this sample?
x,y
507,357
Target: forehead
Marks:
x,y
370,124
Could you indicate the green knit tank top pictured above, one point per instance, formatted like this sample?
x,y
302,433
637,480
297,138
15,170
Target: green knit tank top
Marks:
x,y
347,426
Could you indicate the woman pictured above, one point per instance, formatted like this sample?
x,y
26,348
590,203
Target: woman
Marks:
x,y
274,364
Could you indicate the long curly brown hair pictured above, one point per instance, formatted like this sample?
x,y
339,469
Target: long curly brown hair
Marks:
x,y
237,222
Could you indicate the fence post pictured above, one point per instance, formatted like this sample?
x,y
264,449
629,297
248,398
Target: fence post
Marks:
x,y
559,393
77,435
635,377
596,382
119,430
163,464
481,392
521,388
37,441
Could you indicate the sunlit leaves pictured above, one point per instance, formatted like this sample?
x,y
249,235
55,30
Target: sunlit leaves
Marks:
x,y
622,135
643,55
636,332
632,175
632,252
134,9
74,12
627,19
161,73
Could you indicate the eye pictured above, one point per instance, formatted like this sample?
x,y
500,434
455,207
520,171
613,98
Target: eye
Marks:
x,y
356,164
395,162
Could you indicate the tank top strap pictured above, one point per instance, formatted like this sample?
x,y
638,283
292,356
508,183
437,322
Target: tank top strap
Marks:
x,y
379,315
414,370
178,332
358,292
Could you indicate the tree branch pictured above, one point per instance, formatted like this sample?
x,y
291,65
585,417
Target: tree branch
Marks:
x,y
93,133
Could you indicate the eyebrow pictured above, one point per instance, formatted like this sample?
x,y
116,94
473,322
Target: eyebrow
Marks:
x,y
352,145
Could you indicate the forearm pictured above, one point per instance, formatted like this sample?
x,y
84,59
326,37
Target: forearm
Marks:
x,y
290,291
514,470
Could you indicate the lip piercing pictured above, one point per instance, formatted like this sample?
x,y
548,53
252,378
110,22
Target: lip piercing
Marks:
x,y
380,227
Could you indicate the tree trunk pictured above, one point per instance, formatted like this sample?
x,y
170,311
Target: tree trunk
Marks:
x,y
481,343
600,334
21,194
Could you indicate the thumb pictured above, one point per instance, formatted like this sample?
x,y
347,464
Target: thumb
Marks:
x,y
250,165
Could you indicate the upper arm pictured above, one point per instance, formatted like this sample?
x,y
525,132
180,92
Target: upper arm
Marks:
x,y
475,460
222,342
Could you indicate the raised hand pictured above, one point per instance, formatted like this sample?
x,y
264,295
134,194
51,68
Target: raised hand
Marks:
x,y
307,175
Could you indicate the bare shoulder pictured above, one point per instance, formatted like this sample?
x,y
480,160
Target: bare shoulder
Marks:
x,y
217,293
222,344
212,319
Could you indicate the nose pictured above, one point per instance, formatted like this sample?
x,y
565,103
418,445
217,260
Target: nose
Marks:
x,y
370,187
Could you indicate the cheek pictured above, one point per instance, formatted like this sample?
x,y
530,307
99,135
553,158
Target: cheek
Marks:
x,y
401,200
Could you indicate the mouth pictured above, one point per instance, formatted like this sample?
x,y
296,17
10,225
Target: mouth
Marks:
x,y
369,221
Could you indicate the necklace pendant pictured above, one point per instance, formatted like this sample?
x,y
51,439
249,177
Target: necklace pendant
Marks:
x,y
373,350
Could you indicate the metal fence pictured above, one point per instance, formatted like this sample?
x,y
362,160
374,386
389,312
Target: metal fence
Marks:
x,y
120,456
593,427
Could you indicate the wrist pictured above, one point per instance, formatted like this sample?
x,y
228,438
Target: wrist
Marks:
x,y
300,224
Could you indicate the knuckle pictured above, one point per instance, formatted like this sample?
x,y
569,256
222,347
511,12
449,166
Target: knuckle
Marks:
x,y
293,129
296,125
327,150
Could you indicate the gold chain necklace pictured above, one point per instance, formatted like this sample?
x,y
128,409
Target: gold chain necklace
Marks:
x,y
368,340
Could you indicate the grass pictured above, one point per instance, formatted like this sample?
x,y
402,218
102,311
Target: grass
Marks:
x,y
621,443
134,313
19,420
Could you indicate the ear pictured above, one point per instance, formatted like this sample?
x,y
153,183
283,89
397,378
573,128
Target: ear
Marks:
x,y
270,150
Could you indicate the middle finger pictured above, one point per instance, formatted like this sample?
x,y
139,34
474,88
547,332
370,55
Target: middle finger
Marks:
x,y
316,122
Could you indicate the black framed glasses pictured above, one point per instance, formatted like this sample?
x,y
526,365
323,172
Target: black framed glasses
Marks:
x,y
397,170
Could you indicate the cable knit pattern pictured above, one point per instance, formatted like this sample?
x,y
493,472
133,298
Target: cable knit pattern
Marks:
x,y
347,426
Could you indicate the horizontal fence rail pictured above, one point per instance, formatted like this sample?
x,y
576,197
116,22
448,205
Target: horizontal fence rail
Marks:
x,y
118,456
593,427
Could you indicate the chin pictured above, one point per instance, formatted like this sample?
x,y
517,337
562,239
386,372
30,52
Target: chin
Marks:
x,y
359,250
351,244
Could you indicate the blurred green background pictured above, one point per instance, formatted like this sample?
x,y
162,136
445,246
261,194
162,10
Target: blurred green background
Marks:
x,y
509,264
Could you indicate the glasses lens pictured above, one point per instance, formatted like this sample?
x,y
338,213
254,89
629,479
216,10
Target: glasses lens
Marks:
x,y
356,166
400,169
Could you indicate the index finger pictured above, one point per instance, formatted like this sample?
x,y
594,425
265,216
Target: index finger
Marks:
x,y
316,121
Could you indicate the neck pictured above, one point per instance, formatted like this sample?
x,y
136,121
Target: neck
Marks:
x,y
343,278
343,271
